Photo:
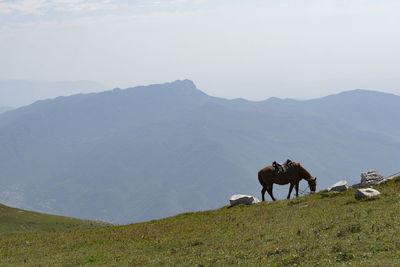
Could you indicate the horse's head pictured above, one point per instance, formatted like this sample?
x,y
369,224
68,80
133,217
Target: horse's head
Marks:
x,y
313,184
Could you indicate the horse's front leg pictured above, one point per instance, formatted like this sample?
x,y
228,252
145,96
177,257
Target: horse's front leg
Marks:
x,y
290,190
269,190
297,189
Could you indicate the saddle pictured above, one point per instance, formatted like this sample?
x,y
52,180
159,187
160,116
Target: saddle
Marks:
x,y
282,168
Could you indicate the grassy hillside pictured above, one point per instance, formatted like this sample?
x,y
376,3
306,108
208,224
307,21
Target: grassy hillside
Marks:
x,y
321,229
14,220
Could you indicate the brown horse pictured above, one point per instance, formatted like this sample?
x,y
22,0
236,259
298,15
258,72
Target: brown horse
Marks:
x,y
268,177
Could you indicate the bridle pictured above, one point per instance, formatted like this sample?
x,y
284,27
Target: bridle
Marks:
x,y
303,192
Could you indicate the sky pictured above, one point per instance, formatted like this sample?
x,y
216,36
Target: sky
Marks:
x,y
230,48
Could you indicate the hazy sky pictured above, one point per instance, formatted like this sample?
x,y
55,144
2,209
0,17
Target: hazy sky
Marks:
x,y
230,48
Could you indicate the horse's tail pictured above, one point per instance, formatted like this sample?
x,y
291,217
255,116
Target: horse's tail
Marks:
x,y
260,178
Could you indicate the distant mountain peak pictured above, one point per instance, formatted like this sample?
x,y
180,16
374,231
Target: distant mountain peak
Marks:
x,y
365,92
189,84
177,86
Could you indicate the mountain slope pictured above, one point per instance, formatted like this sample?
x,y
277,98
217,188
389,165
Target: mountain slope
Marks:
x,y
360,108
324,229
154,151
17,221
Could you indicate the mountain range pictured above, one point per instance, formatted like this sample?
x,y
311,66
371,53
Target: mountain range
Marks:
x,y
154,151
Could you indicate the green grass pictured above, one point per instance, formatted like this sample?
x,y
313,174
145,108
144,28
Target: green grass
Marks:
x,y
14,221
334,229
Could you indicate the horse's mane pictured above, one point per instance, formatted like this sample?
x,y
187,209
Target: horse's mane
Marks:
x,y
303,171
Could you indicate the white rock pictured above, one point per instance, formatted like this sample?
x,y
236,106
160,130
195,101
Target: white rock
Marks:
x,y
243,199
339,186
366,192
371,178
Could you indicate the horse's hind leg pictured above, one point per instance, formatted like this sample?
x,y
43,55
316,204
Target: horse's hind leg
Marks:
x,y
263,193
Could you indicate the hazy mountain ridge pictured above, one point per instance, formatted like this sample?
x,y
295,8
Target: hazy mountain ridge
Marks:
x,y
154,151
4,109
17,93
